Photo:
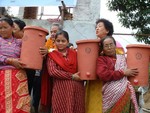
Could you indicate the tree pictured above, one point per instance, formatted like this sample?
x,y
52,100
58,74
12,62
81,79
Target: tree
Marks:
x,y
134,14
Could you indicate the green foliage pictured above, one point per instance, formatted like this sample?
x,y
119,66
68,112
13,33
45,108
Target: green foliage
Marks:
x,y
133,14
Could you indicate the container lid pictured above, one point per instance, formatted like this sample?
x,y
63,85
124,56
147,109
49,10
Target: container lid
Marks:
x,y
138,45
87,41
37,28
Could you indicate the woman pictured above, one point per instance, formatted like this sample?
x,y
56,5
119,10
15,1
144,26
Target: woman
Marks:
x,y
34,82
93,87
14,97
105,28
18,28
118,93
68,90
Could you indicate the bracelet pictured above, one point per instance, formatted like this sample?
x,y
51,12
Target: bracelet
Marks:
x,y
10,60
73,77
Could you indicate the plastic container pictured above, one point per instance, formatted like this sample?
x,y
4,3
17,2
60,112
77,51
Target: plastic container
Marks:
x,y
87,54
34,38
138,56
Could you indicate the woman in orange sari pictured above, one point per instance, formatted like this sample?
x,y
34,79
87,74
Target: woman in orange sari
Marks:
x,y
14,96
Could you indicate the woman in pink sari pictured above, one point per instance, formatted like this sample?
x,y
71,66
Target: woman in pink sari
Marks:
x,y
117,93
14,97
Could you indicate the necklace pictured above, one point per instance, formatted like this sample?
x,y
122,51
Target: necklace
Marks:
x,y
9,41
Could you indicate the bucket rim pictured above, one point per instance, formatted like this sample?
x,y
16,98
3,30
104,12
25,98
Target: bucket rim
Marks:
x,y
37,28
138,45
87,41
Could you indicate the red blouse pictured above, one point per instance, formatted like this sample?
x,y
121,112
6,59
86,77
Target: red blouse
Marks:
x,y
106,69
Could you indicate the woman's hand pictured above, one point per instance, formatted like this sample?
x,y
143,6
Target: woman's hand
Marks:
x,y
76,76
131,72
16,63
43,51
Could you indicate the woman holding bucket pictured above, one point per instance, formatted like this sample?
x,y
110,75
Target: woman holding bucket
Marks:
x,y
68,90
14,96
93,87
33,79
118,94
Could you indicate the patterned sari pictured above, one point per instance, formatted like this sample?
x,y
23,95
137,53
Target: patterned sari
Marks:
x,y
14,96
118,95
94,92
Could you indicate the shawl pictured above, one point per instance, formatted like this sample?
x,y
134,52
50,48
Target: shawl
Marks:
x,y
46,88
47,82
114,90
68,64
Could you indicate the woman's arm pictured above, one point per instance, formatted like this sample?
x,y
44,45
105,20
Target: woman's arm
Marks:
x,y
57,72
106,72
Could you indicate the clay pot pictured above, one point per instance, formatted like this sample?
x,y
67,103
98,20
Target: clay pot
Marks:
x,y
34,38
87,54
138,56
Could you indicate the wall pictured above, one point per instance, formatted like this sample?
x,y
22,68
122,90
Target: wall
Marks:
x,y
83,24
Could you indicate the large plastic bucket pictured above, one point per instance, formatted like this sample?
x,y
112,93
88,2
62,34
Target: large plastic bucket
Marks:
x,y
138,56
34,38
87,54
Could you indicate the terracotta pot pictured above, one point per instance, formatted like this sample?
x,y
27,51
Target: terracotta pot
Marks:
x,y
87,54
34,38
138,56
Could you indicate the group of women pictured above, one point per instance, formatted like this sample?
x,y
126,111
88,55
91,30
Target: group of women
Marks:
x,y
111,93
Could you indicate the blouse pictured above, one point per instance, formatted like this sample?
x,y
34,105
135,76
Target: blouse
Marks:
x,y
9,48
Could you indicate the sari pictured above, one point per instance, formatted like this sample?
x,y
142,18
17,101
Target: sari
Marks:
x,y
118,95
14,96
93,98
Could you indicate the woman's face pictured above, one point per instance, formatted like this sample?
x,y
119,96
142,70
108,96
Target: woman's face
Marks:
x,y
61,43
101,30
17,32
109,47
5,30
